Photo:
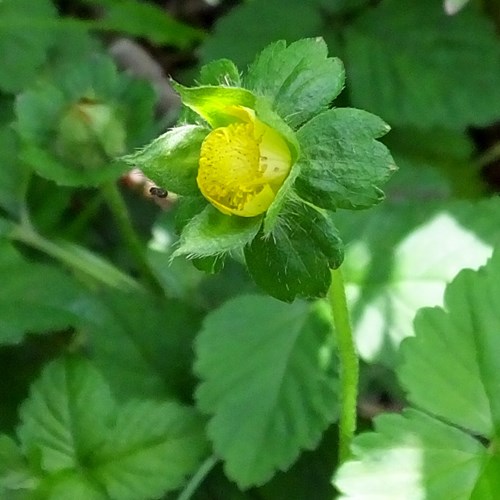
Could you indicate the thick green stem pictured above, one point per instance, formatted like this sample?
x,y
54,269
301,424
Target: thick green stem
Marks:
x,y
130,239
349,364
198,478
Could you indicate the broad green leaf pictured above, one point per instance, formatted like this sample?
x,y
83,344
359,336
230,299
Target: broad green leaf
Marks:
x,y
400,257
342,165
66,416
35,298
26,34
155,344
299,80
150,450
212,233
171,160
450,368
145,20
265,383
250,26
210,102
413,65
412,456
220,72
72,485
295,259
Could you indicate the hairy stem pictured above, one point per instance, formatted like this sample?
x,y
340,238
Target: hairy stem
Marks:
x,y
349,365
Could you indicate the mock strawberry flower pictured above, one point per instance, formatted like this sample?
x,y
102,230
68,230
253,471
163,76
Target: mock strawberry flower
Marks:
x,y
261,163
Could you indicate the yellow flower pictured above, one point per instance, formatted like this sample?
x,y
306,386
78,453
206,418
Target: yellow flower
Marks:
x,y
243,165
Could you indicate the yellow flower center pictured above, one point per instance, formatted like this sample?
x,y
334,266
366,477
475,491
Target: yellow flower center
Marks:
x,y
242,166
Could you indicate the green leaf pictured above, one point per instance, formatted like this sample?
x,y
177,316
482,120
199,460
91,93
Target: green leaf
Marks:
x,y
250,26
85,444
401,256
299,80
295,259
213,233
35,297
171,160
264,384
210,102
150,450
66,416
14,473
450,367
342,165
27,25
145,20
413,65
220,72
412,456
155,339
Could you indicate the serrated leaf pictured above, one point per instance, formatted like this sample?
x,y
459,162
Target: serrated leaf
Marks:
x,y
401,256
263,384
66,416
210,102
145,20
150,450
450,368
249,27
412,456
220,72
393,48
299,80
342,165
213,233
155,339
29,25
34,298
171,160
295,259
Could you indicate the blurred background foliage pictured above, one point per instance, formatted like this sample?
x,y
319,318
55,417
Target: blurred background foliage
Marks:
x,y
85,81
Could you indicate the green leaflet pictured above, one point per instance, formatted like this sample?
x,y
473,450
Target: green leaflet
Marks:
x,y
342,165
220,72
267,388
299,80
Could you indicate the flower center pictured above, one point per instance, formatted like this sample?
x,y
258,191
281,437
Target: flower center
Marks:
x,y
242,166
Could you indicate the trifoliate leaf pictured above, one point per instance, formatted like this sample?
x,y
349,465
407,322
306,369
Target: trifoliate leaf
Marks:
x,y
35,298
171,160
264,384
412,64
250,26
27,25
299,80
450,367
149,450
401,256
412,456
342,165
210,102
66,416
212,233
295,259
220,72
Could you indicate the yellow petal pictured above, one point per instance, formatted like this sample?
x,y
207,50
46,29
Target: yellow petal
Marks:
x,y
242,166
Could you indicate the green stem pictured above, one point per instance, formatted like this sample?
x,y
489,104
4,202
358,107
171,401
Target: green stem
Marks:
x,y
349,364
77,258
136,248
198,478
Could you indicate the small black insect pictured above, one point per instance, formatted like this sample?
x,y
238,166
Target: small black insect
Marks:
x,y
158,192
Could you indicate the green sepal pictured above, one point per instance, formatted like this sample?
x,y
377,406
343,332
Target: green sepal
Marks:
x,y
171,160
220,72
211,265
300,80
342,165
295,259
213,233
210,101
